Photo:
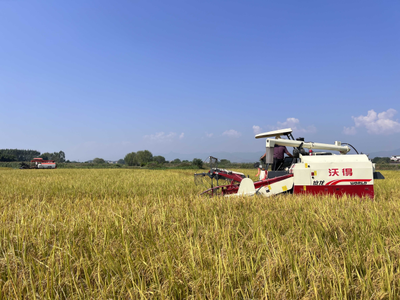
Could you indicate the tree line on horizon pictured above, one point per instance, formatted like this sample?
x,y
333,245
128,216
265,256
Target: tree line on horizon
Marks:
x,y
11,155
140,158
145,157
381,160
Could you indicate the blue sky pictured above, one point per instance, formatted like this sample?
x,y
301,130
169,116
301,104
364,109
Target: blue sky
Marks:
x,y
104,78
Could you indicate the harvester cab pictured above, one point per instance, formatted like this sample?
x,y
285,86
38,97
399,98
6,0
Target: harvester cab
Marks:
x,y
308,172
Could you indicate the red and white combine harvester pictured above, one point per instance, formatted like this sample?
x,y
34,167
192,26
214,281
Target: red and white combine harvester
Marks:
x,y
307,172
39,163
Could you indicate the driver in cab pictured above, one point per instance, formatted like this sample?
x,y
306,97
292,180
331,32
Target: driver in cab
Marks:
x,y
279,155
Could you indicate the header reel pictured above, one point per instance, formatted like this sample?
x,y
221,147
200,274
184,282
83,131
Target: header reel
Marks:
x,y
218,181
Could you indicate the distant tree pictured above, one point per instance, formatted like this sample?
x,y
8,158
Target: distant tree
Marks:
x,y
381,160
61,156
143,157
176,161
46,156
130,159
56,156
121,161
197,162
185,161
225,162
7,157
159,159
99,161
20,155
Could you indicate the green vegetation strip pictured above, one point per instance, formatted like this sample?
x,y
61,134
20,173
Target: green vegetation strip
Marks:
x,y
145,234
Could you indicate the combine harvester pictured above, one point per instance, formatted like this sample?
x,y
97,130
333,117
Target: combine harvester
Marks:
x,y
306,173
39,163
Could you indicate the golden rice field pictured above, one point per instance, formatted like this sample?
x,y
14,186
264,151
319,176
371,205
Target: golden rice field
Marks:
x,y
143,234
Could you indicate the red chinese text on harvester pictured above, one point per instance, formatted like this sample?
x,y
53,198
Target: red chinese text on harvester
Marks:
x,y
345,172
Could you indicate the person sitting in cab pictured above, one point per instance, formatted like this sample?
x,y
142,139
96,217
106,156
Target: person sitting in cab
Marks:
x,y
279,155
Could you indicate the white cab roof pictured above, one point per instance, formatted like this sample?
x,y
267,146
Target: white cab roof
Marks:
x,y
274,133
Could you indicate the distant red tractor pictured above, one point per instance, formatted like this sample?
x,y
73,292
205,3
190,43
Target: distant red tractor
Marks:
x,y
39,163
